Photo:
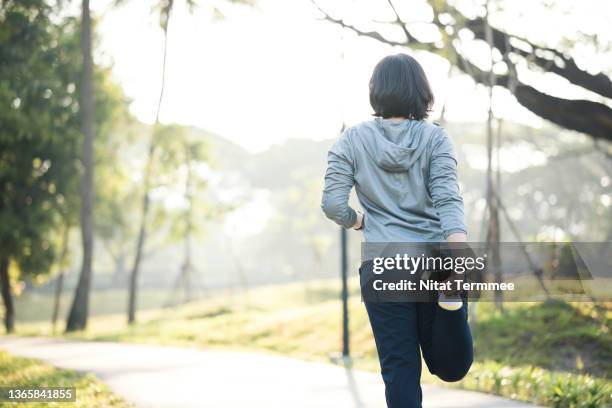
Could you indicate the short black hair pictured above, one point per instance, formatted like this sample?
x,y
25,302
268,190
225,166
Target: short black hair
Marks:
x,y
399,87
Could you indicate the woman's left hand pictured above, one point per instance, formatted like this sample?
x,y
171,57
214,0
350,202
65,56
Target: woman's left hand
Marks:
x,y
359,223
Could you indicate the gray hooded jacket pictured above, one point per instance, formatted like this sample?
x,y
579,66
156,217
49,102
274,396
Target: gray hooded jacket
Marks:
x,y
405,176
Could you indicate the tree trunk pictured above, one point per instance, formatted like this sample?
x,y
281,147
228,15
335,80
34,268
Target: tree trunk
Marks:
x,y
59,288
7,297
142,233
493,228
77,319
119,278
139,245
59,284
188,266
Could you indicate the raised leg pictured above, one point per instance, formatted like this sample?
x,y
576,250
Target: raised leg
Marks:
x,y
446,340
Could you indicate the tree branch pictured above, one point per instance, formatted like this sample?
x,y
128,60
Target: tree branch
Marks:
x,y
410,41
592,118
560,65
400,23
581,115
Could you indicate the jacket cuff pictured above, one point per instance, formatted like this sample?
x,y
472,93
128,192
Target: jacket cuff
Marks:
x,y
351,219
454,231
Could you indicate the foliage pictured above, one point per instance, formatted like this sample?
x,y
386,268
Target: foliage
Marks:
x,y
579,335
539,386
25,372
39,135
116,190
177,154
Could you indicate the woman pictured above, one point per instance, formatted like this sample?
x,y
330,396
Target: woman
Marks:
x,y
405,175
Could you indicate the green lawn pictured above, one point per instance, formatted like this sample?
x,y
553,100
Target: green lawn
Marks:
x,y
25,372
34,306
554,354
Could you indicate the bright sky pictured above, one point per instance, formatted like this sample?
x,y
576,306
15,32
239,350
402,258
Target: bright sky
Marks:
x,y
273,72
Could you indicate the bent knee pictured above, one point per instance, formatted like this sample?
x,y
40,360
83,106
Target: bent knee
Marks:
x,y
452,377
456,373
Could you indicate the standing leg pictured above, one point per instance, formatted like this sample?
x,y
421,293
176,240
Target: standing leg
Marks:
x,y
395,328
446,340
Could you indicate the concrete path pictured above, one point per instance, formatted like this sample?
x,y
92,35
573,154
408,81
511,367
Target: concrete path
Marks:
x,y
158,376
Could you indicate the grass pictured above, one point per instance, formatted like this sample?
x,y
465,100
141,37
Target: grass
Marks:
x,y
551,353
35,306
25,372
555,335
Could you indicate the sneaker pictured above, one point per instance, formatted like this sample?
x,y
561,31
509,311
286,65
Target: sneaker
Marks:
x,y
449,303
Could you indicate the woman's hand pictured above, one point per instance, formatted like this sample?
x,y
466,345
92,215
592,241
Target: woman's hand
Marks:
x,y
457,237
359,223
457,247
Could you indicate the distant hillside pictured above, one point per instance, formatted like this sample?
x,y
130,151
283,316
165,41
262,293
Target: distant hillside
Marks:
x,y
225,154
275,168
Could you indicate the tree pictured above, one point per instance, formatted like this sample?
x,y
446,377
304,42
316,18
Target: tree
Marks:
x,y
165,8
591,117
77,318
40,163
181,161
116,192
116,198
38,139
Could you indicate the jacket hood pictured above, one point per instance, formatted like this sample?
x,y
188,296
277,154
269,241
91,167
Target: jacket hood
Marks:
x,y
397,144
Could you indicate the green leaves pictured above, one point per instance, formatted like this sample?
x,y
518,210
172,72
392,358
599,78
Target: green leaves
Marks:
x,y
38,132
40,135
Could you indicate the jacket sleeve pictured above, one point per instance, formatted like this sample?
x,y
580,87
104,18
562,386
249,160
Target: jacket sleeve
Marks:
x,y
444,187
339,181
